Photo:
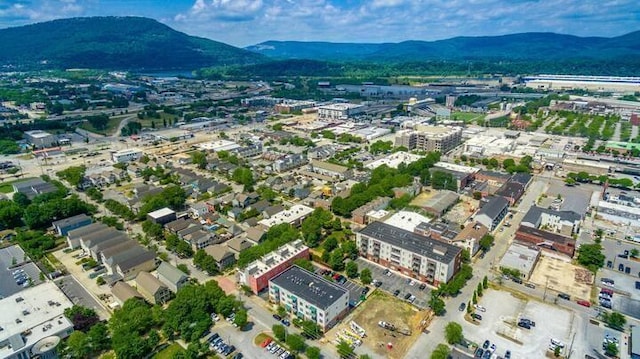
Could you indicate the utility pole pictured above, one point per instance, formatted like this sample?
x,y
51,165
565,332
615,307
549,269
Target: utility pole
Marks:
x,y
573,338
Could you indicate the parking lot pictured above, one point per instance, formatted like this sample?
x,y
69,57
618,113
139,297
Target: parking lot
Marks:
x,y
356,291
12,261
392,282
499,326
615,259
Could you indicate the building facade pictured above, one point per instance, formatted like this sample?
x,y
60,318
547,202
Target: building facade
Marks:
x,y
416,256
307,295
257,274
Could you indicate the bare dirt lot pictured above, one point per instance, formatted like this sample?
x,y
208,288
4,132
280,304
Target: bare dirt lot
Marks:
x,y
462,211
562,276
383,307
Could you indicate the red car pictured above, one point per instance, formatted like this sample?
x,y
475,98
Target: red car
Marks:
x,y
584,303
265,342
607,291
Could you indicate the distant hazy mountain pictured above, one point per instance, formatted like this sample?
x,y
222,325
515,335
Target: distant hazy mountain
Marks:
x,y
113,43
516,47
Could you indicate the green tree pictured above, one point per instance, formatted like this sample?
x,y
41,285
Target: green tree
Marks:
x,y
79,345
10,214
336,260
313,352
350,249
614,320
279,331
365,276
485,282
205,262
304,263
345,350
330,244
453,333
436,304
243,176
634,252
441,352
241,318
183,268
296,342
611,349
352,269
475,297
479,290
199,158
591,256
486,242
21,199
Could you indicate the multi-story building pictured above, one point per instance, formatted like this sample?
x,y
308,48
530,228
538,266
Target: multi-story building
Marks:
x,y
564,222
293,216
330,170
554,242
33,322
430,138
309,296
126,156
493,212
420,257
339,111
288,162
257,274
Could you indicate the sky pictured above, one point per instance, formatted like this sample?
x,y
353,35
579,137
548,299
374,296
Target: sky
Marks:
x,y
247,22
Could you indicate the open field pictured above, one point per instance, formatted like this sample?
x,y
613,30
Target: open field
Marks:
x,y
383,307
562,276
169,352
467,117
112,125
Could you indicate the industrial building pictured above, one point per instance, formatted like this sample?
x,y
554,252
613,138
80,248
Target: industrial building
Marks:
x,y
309,296
592,83
256,275
124,156
416,256
40,139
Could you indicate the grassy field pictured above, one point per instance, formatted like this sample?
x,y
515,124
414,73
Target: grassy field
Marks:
x,y
467,116
169,352
112,125
146,121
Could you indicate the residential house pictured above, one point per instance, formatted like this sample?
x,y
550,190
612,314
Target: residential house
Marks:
x,y
122,292
63,226
223,256
172,277
152,289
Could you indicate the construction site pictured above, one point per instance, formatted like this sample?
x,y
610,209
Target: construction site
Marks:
x,y
385,324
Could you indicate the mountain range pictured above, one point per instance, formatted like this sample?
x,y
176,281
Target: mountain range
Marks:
x,y
515,47
137,43
128,43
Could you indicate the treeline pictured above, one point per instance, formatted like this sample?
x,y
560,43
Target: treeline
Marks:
x,y
362,70
383,180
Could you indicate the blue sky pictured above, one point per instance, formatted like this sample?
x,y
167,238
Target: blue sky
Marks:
x,y
247,22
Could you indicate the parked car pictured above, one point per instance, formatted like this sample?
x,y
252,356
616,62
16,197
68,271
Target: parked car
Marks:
x,y
476,316
277,317
584,303
285,322
606,291
486,344
396,292
480,308
422,286
407,296
564,296
479,353
524,325
507,355
462,306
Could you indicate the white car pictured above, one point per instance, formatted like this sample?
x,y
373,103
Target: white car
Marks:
x,y
557,343
480,308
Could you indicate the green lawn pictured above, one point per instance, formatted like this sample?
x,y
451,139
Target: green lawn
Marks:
x,y
146,121
169,352
7,187
112,125
467,116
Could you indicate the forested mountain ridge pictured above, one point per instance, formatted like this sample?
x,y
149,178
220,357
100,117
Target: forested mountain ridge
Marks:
x,y
514,47
127,43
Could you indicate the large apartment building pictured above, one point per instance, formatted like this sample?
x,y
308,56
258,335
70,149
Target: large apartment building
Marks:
x,y
417,256
430,138
258,273
309,296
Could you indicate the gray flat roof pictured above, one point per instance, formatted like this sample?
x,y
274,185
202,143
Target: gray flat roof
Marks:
x,y
309,286
535,212
412,242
